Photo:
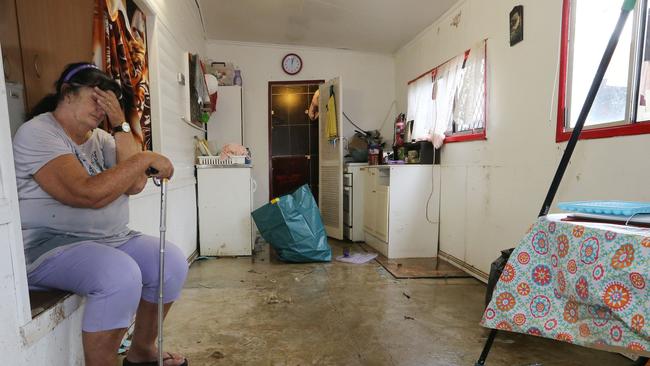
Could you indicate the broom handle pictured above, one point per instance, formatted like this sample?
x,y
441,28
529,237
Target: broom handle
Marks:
x,y
628,5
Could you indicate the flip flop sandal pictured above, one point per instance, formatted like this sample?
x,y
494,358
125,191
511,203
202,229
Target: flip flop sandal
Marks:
x,y
149,363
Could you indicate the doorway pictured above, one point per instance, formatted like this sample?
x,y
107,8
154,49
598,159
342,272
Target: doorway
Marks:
x,y
293,137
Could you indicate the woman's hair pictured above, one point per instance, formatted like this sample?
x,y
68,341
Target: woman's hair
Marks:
x,y
73,77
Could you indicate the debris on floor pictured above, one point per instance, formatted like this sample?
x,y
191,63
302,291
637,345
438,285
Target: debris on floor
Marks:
x,y
218,355
346,252
275,299
344,314
357,258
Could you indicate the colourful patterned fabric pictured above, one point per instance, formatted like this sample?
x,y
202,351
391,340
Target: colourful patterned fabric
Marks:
x,y
120,48
581,283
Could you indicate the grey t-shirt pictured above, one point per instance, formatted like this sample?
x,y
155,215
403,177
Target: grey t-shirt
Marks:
x,y
47,224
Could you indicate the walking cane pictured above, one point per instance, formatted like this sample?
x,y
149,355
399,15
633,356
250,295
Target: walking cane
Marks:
x,y
162,183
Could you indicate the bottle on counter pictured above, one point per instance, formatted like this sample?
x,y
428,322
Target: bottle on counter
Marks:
x,y
237,78
374,154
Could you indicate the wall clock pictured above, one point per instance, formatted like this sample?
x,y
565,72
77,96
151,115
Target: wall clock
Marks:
x,y
291,64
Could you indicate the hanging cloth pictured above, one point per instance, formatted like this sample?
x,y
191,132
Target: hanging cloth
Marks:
x,y
332,123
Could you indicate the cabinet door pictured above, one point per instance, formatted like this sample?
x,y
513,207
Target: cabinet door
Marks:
x,y
370,202
224,211
13,67
381,212
52,35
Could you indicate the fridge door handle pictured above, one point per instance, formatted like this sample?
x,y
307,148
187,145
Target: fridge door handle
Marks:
x,y
254,185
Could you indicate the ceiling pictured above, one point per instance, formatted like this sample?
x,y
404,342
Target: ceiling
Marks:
x,y
364,25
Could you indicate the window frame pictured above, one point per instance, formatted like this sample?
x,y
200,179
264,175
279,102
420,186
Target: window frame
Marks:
x,y
613,129
468,135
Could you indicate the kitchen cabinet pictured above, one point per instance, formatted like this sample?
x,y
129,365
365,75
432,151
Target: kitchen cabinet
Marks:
x,y
225,200
10,41
375,219
381,215
401,210
370,199
51,34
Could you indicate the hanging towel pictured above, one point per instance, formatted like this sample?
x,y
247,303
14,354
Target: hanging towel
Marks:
x,y
332,123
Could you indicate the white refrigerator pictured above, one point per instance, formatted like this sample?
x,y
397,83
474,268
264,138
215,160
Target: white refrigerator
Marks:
x,y
226,124
225,203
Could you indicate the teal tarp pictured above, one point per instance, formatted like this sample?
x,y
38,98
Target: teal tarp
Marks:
x,y
294,228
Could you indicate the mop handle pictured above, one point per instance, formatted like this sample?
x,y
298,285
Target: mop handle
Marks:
x,y
628,5
163,229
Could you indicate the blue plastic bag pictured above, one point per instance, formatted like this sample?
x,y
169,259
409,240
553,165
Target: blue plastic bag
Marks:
x,y
292,225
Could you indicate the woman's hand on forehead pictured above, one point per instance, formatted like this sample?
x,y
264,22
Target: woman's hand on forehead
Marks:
x,y
111,106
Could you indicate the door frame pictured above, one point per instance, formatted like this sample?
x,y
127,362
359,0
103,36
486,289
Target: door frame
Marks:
x,y
270,121
10,226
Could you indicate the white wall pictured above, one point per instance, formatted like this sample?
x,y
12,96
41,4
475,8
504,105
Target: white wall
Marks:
x,y
492,190
368,90
177,30
54,337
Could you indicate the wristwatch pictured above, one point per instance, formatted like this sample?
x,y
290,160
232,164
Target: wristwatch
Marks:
x,y
123,127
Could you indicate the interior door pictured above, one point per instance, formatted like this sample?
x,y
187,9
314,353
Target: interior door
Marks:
x,y
293,137
330,175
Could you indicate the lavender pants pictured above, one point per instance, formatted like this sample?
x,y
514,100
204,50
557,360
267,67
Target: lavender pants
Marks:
x,y
113,280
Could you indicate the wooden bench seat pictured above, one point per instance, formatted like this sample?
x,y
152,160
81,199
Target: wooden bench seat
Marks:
x,y
43,300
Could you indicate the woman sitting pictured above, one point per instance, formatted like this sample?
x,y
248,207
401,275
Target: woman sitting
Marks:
x,y
74,180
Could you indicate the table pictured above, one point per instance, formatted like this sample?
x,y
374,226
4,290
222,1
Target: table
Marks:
x,y
582,283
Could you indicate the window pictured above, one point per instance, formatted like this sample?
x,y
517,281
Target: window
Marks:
x,y
448,102
622,105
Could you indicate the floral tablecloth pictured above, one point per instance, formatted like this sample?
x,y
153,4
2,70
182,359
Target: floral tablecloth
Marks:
x,y
581,283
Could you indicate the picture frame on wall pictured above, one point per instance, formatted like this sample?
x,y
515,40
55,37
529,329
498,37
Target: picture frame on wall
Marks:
x,y
198,104
516,25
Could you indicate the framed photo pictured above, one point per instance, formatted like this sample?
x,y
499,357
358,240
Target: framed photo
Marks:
x,y
516,25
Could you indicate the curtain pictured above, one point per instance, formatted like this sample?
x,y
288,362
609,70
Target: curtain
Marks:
x,y
120,48
451,98
446,81
420,107
469,112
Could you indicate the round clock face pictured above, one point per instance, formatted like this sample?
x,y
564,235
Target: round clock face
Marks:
x,y
291,64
